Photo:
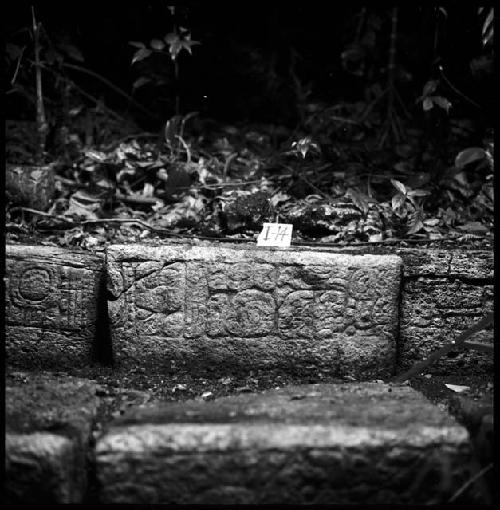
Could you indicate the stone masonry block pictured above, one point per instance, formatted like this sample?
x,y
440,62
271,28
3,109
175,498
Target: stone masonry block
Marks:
x,y
51,306
48,422
444,293
211,306
353,443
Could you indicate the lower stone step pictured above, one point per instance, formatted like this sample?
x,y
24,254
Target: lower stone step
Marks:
x,y
48,422
317,444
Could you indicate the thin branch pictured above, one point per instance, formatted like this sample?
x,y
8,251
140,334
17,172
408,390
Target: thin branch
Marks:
x,y
422,365
118,220
478,346
18,65
467,484
111,86
186,147
41,120
133,199
38,213
92,98
370,107
461,94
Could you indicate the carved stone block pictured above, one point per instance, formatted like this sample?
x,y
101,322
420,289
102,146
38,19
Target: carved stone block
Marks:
x,y
253,307
356,443
51,306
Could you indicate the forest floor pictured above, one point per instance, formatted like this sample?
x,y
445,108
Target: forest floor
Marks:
x,y
333,180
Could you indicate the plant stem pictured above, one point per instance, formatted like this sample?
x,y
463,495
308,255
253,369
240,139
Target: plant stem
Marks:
x,y
177,95
392,62
41,120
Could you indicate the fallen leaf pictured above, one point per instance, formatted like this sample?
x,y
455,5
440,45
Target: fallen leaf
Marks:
x,y
243,389
180,387
457,388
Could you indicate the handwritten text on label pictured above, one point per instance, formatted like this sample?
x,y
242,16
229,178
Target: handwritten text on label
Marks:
x,y
275,234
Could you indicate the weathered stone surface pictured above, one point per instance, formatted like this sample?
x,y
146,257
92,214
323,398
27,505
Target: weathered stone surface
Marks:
x,y
318,444
212,306
51,306
32,186
444,293
48,421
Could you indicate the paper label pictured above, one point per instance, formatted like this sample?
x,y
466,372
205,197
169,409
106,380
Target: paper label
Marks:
x,y
275,234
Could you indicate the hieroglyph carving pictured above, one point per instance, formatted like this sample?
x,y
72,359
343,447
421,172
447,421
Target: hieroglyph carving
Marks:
x,y
341,295
49,295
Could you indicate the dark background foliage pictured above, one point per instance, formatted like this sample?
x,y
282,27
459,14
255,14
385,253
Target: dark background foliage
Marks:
x,y
250,51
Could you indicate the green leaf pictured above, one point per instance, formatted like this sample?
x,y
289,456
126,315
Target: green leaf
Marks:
x,y
429,88
432,222
398,201
427,104
98,156
442,102
72,52
13,50
399,186
359,199
140,82
137,44
174,49
418,193
157,44
403,167
140,54
488,29
187,45
415,223
52,56
473,227
469,155
488,36
171,38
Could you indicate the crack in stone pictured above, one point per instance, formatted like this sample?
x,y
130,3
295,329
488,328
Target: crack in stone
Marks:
x,y
470,280
449,263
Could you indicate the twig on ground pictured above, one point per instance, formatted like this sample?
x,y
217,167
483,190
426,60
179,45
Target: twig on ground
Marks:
x,y
453,345
38,213
136,199
469,482
119,220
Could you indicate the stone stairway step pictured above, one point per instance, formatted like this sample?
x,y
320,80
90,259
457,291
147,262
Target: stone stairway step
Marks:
x,y
48,421
51,306
218,308
322,443
57,318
